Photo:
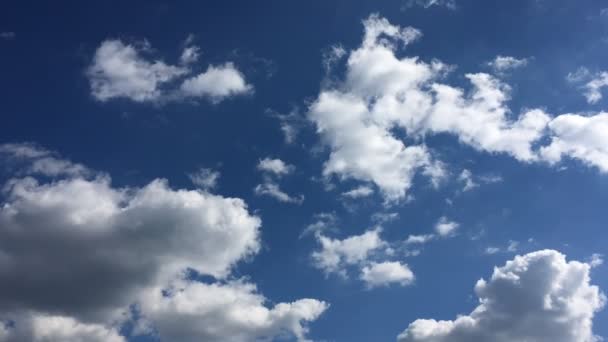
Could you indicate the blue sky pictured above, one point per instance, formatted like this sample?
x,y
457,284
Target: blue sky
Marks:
x,y
321,170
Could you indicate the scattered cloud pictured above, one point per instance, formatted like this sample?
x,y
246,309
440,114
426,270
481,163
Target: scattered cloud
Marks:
x,y
276,167
121,70
359,118
504,64
217,83
535,297
471,182
596,260
419,239
335,255
445,227
591,83
269,188
135,247
204,178
358,192
451,4
386,273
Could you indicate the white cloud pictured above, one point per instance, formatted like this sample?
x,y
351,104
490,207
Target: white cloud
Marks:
x,y
581,137
537,297
189,55
269,188
358,192
217,83
596,260
275,166
120,70
492,250
40,161
131,244
204,178
335,255
591,83
445,227
503,64
380,93
466,177
48,328
419,239
386,273
451,4
234,311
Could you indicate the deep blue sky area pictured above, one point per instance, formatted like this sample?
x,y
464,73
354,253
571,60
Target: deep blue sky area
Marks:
x,y
279,47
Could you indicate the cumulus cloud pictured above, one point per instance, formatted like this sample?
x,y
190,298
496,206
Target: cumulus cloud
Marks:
x,y
70,236
363,117
276,167
535,297
503,64
234,311
335,255
217,83
381,92
581,137
121,70
386,273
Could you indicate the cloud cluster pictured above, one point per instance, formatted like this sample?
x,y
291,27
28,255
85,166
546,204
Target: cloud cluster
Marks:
x,y
76,253
121,70
271,169
503,64
537,297
336,256
382,97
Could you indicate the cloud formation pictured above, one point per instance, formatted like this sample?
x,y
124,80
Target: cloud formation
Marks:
x,y
121,70
361,118
537,297
133,244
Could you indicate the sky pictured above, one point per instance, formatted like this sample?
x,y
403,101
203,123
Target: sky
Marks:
x,y
390,170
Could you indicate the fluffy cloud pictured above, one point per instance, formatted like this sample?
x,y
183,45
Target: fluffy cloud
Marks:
x,y
217,83
336,254
65,238
46,328
381,92
120,70
535,297
382,97
226,312
276,167
502,64
445,227
581,137
386,273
